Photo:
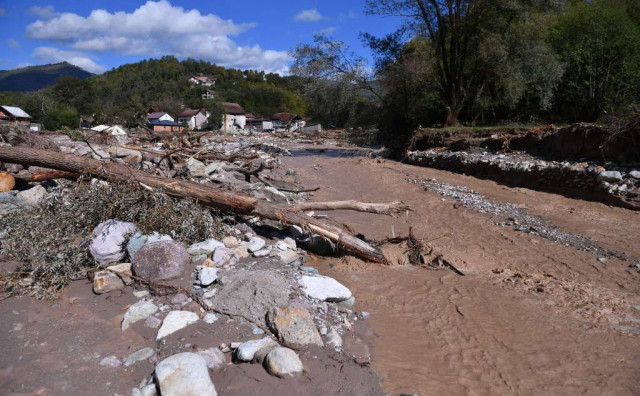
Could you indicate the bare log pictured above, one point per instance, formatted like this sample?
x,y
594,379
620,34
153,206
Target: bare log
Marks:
x,y
378,208
48,175
204,195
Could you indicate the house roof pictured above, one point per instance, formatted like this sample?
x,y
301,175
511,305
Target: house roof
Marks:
x,y
15,112
233,108
164,123
286,118
156,114
190,112
204,78
100,128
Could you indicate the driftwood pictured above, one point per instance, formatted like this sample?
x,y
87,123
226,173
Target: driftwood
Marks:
x,y
378,208
204,195
48,175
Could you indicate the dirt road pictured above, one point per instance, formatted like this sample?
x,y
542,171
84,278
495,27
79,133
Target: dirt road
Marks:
x,y
530,316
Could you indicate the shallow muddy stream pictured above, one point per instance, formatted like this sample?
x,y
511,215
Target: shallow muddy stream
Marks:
x,y
530,316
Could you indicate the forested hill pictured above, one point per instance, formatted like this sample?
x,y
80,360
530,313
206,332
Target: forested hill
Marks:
x,y
124,95
33,78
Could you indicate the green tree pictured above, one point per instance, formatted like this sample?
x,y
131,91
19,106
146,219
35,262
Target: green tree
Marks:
x,y
599,41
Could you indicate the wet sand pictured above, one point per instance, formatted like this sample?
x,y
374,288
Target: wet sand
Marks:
x,y
529,317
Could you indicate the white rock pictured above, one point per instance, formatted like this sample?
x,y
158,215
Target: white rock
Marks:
x,y
109,236
247,350
262,252
224,256
175,321
149,390
288,256
138,356
255,244
184,374
283,246
206,247
291,242
610,176
283,363
210,318
140,293
152,322
635,174
207,275
333,339
231,242
137,312
324,288
110,361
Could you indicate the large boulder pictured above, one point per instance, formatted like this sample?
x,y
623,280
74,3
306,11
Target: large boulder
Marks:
x,y
108,241
247,350
33,196
184,374
160,261
324,288
138,240
252,294
294,327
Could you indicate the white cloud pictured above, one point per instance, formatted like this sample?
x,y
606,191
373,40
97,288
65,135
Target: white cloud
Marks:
x,y
12,43
80,59
46,12
311,15
158,28
327,30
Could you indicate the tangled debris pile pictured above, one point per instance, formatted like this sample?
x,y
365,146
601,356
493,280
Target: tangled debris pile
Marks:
x,y
190,267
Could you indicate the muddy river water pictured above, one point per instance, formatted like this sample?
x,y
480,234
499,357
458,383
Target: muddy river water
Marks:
x,y
529,316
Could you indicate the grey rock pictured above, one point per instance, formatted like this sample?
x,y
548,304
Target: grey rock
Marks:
x,y
324,288
610,176
108,241
288,256
160,261
140,293
261,354
348,303
176,320
206,247
179,298
137,312
290,242
252,294
247,350
262,252
33,196
152,322
245,229
635,174
138,356
106,281
110,361
284,363
10,202
320,245
149,390
214,166
138,240
196,168
214,357
294,327
184,374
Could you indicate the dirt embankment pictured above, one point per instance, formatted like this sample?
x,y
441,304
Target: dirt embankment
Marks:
x,y
582,160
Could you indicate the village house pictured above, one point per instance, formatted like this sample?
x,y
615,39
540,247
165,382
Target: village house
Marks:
x,y
202,80
234,118
195,119
208,95
158,125
159,116
14,115
259,124
287,122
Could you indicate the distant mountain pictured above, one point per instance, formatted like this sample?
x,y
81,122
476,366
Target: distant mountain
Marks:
x,y
33,78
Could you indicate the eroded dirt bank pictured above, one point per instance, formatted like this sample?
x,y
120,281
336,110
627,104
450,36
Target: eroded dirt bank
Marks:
x,y
530,316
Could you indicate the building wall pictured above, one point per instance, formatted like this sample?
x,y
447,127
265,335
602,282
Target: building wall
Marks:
x,y
233,122
166,128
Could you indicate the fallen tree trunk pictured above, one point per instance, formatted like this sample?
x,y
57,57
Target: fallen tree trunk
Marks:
x,y
48,175
378,208
204,195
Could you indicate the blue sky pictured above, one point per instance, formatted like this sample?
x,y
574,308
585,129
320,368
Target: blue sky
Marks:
x,y
100,34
